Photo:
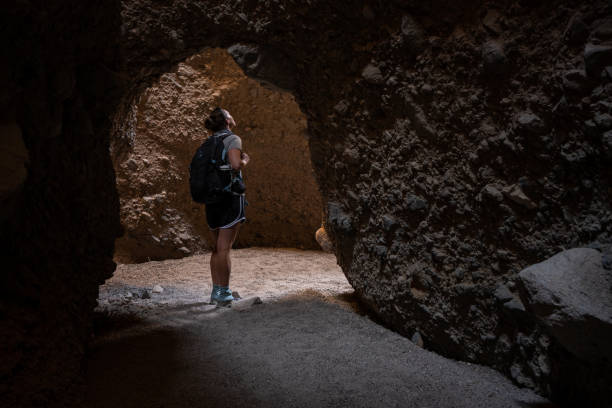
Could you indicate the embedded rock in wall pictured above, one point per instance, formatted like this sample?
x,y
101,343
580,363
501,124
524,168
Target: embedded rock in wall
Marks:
x,y
159,217
571,293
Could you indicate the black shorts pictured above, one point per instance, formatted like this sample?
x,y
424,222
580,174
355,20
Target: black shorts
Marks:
x,y
226,213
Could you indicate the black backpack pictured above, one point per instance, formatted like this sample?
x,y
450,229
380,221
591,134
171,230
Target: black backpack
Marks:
x,y
207,182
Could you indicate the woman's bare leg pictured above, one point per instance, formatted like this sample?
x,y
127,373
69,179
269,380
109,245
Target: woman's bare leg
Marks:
x,y
220,261
213,254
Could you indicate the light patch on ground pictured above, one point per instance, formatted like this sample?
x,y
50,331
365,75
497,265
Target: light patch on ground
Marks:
x,y
270,273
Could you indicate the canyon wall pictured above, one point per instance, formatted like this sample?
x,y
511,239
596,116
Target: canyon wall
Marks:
x,y
159,217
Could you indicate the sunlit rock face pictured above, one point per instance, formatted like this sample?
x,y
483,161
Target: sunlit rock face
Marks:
x,y
454,145
167,125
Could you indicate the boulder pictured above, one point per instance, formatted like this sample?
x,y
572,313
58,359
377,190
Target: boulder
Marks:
x,y
323,240
571,295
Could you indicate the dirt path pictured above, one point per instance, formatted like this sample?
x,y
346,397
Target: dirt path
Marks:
x,y
303,347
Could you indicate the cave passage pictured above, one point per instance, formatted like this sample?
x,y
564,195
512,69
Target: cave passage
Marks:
x,y
164,128
458,148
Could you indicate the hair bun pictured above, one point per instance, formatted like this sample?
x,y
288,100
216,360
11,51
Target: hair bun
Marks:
x,y
209,124
216,120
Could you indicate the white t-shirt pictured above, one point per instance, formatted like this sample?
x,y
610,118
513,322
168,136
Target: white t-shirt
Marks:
x,y
232,142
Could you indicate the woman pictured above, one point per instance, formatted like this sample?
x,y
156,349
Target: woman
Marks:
x,y
224,218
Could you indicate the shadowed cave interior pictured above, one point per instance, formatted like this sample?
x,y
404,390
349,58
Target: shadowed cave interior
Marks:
x,y
462,156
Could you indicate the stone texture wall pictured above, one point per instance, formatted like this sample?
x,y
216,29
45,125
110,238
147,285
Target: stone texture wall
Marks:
x,y
58,205
160,219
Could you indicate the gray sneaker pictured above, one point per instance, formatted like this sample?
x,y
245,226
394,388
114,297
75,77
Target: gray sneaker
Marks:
x,y
221,296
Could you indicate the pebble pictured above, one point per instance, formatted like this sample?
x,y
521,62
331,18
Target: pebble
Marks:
x,y
417,339
132,164
157,289
246,303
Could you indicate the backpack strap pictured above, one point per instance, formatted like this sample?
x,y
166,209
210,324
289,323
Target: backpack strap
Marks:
x,y
224,152
222,134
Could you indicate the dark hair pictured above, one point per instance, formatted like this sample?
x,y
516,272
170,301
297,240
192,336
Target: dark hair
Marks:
x,y
217,120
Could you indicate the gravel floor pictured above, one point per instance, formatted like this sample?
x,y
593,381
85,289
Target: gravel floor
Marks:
x,y
304,346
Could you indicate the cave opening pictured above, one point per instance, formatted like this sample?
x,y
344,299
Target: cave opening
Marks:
x,y
163,128
524,88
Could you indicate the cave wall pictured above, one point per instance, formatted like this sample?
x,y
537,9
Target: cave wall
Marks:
x,y
59,207
159,218
454,145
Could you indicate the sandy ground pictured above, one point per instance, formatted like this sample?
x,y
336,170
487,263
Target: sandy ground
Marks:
x,y
304,346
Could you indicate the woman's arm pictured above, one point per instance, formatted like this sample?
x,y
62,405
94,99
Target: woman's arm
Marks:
x,y
237,159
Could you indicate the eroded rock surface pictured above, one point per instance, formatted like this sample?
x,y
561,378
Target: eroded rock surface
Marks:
x,y
160,219
401,158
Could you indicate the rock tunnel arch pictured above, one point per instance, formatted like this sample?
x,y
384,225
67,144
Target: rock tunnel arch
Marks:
x,y
404,81
166,125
